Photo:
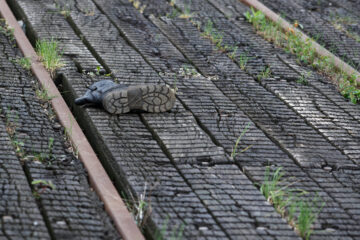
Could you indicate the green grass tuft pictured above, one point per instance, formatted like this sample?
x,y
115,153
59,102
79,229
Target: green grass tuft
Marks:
x,y
303,79
43,184
299,212
24,63
292,42
266,73
234,152
43,95
49,54
243,59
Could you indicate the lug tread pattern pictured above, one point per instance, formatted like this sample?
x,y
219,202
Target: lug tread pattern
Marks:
x,y
151,98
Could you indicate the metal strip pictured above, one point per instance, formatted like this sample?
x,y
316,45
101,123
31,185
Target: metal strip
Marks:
x,y
99,179
321,51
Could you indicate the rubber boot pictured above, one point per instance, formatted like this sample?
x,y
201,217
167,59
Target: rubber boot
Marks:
x,y
117,98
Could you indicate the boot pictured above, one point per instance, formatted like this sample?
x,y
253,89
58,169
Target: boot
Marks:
x,y
118,98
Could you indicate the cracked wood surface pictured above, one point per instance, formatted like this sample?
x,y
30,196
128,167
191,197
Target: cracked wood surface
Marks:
x,y
184,155
33,148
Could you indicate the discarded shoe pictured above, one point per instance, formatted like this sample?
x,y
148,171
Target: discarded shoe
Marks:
x,y
117,98
95,93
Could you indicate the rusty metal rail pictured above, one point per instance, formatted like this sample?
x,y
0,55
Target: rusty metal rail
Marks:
x,y
99,179
321,51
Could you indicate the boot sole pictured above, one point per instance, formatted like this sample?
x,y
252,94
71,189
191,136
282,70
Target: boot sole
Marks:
x,y
150,98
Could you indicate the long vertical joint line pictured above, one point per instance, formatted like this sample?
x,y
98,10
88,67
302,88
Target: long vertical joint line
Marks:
x,y
99,179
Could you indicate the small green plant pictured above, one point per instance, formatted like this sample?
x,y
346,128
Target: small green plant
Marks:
x,y
19,148
64,9
40,157
257,18
24,62
271,182
44,157
213,34
11,125
188,71
49,54
6,30
350,89
233,52
308,212
292,42
140,208
98,72
98,69
217,38
242,60
42,185
43,95
266,73
339,23
288,204
234,152
303,79
138,5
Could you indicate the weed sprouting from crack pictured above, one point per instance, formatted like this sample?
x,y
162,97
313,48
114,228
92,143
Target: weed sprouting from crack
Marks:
x,y
242,60
266,73
303,79
140,208
350,88
48,51
214,35
63,8
234,152
138,5
339,23
290,203
99,71
47,157
6,30
24,62
233,53
12,122
43,95
19,146
188,71
41,185
292,42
